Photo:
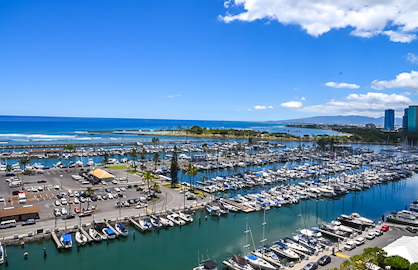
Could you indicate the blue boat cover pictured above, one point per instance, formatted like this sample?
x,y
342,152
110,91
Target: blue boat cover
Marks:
x,y
66,237
280,244
315,229
121,226
109,231
163,169
265,203
252,257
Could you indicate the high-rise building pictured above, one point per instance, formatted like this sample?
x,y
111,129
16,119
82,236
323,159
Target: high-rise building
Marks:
x,y
412,118
389,119
405,120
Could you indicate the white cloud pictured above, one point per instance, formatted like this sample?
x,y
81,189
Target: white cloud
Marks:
x,y
342,85
173,96
397,19
262,107
370,104
292,104
412,57
270,107
303,98
403,80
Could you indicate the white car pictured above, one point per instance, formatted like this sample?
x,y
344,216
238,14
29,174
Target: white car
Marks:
x,y
350,245
378,233
360,241
64,211
115,182
123,189
56,187
110,196
76,201
57,203
76,194
64,201
40,188
117,189
1,199
57,212
104,183
370,236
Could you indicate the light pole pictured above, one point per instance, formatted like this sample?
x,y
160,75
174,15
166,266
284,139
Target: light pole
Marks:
x,y
61,180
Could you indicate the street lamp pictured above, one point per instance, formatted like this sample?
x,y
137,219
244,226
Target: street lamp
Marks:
x,y
61,180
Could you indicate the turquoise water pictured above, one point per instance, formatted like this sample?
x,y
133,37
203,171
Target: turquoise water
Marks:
x,y
177,248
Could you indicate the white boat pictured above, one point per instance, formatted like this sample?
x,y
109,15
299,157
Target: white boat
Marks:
x,y
414,206
120,228
186,217
58,164
282,249
79,163
295,245
145,225
175,218
16,166
66,240
80,238
166,223
90,163
95,235
239,263
259,263
1,254
110,234
156,222
213,210
207,265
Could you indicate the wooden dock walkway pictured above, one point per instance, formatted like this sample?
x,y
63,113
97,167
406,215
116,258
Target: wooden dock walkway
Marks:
x,y
238,205
137,225
56,240
332,234
89,239
111,227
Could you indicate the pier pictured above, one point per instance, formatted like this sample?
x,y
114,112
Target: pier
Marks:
x,y
111,227
56,240
89,239
240,206
332,234
137,224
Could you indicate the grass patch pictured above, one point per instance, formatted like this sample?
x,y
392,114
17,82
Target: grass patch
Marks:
x,y
169,186
152,200
198,193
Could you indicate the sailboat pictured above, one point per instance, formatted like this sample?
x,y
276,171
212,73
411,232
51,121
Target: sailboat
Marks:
x,y
1,254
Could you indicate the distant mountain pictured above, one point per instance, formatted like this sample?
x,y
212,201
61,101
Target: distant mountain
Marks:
x,y
339,120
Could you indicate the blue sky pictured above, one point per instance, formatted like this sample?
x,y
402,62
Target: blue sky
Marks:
x,y
213,59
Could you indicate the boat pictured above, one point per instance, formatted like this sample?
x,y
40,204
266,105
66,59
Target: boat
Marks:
x,y
207,264
156,222
1,254
175,218
292,244
186,217
95,235
120,228
145,225
404,217
259,263
282,249
80,238
414,206
165,222
240,263
90,162
110,234
66,240
213,210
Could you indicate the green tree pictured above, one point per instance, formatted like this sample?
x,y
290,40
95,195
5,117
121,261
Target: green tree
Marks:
x,y
413,266
156,186
174,168
8,168
148,177
105,159
397,262
134,154
192,171
155,141
155,159
89,191
25,161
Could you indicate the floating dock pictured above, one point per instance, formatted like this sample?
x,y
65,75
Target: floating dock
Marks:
x,y
56,240
238,205
89,239
332,234
137,225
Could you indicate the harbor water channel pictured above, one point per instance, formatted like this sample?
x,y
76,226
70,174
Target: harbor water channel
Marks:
x,y
217,238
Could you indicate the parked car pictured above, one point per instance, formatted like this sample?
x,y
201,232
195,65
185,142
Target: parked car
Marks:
x,y
57,212
57,203
68,217
56,187
324,260
385,228
378,233
64,211
360,241
76,201
64,201
350,245
370,236
30,221
411,230
311,266
1,199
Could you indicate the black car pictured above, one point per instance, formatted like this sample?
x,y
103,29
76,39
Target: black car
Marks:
x,y
68,217
311,266
30,221
324,260
411,229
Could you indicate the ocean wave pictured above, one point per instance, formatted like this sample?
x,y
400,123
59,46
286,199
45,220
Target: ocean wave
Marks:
x,y
37,136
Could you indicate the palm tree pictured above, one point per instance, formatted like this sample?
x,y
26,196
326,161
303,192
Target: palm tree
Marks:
x,y
156,158
148,177
134,154
24,161
192,171
105,159
156,186
89,192
174,168
8,168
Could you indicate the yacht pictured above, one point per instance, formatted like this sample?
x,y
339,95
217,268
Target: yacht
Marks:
x,y
213,210
186,217
120,228
95,235
259,263
1,254
240,263
414,206
175,218
207,265
90,163
165,222
146,226
156,222
80,238
282,249
110,234
66,240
